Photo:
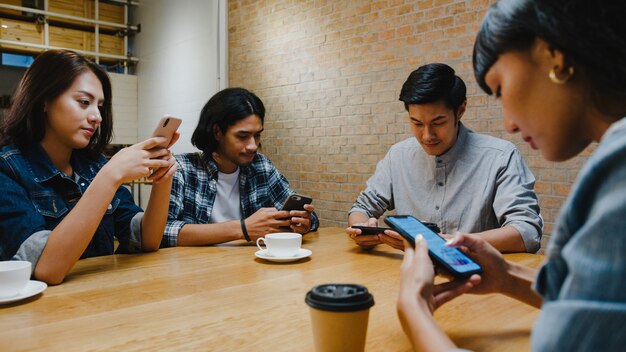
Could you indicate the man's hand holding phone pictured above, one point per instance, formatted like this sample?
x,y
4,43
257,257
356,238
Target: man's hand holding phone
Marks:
x,y
300,209
301,219
266,220
393,239
366,239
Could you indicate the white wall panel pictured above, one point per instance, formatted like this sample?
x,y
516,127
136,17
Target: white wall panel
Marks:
x,y
124,108
178,62
180,65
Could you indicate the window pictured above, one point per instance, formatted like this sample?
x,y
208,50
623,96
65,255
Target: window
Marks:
x,y
98,29
17,60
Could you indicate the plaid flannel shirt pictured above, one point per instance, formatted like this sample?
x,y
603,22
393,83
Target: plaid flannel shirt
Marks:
x,y
194,187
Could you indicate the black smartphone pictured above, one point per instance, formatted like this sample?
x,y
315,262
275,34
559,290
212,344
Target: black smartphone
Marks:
x,y
370,230
432,226
296,202
449,258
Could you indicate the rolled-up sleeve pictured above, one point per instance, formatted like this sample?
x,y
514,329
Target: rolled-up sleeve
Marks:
x,y
174,214
378,194
516,203
128,223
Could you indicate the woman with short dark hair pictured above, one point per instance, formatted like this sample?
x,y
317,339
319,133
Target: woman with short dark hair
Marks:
x,y
558,68
60,200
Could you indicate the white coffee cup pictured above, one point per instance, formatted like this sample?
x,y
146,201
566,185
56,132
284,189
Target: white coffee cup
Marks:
x,y
282,244
14,276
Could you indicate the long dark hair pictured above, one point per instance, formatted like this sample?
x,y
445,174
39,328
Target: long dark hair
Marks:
x,y
223,110
590,34
51,74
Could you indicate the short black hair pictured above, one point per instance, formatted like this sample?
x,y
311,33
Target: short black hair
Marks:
x,y
432,83
223,110
590,34
49,76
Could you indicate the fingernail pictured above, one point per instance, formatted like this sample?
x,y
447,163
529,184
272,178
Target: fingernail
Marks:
x,y
419,238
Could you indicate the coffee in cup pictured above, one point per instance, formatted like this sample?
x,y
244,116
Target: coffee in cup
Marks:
x,y
281,244
14,276
339,316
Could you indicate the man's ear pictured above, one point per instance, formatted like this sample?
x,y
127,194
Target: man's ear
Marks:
x,y
461,110
217,133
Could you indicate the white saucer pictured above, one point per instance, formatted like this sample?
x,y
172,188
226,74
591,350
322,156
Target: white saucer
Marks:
x,y
302,253
32,288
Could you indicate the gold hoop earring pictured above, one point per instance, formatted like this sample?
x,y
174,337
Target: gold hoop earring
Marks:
x,y
555,79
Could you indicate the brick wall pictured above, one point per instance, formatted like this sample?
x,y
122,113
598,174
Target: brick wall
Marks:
x,y
330,72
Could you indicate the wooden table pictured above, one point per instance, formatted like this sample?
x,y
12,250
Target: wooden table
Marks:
x,y
222,298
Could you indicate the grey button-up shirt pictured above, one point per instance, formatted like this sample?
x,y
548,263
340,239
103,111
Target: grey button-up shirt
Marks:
x,y
481,183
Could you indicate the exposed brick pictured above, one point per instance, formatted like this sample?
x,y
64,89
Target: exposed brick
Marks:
x,y
329,73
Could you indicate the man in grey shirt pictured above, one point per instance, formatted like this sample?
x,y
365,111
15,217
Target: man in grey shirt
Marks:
x,y
450,175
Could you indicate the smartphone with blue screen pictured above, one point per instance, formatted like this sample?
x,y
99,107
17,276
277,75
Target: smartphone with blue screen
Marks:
x,y
448,258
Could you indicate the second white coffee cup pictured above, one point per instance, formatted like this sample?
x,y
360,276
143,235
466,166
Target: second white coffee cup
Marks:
x,y
14,276
281,244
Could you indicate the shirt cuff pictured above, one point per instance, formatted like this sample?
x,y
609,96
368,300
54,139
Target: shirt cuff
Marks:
x,y
172,229
315,222
359,210
31,249
134,242
530,235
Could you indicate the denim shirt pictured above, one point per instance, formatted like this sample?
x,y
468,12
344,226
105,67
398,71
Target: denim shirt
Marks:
x,y
35,197
583,282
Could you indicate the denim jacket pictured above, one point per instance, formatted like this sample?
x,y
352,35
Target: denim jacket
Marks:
x,y
35,197
583,282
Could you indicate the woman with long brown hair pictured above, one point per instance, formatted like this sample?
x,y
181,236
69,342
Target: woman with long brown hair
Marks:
x,y
60,200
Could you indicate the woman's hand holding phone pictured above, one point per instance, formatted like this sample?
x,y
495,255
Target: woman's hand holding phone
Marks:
x,y
417,281
167,134
495,268
137,161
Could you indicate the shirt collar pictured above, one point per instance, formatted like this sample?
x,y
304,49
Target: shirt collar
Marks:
x,y
213,170
43,169
457,149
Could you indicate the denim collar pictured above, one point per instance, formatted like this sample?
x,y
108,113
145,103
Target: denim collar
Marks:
x,y
43,169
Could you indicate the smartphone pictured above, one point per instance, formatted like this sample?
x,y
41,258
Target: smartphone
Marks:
x,y
370,230
166,128
432,226
448,258
296,202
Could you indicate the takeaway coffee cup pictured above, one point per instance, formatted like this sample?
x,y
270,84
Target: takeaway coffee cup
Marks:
x,y
339,315
282,244
14,276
